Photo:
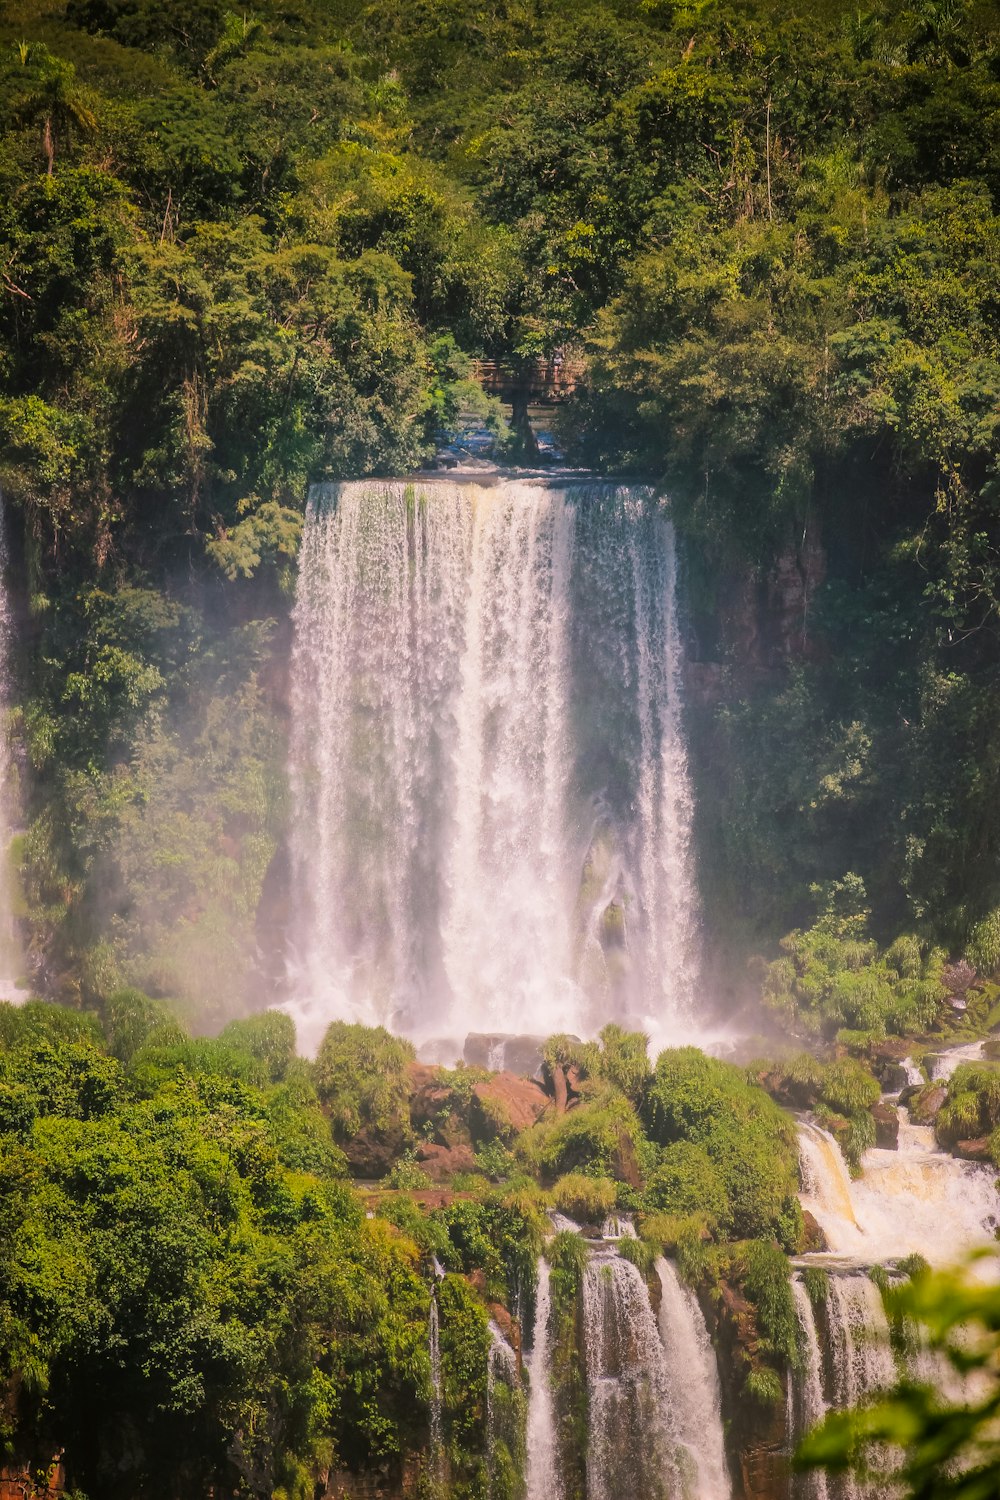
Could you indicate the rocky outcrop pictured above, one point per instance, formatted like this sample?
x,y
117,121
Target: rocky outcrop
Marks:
x,y
442,1162
503,1051
504,1105
886,1118
755,1436
977,1150
924,1103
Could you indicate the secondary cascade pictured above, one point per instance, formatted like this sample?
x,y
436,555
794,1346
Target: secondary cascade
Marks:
x,y
492,805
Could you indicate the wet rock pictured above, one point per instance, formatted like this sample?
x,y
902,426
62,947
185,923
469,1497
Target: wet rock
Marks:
x,y
886,1118
442,1162
501,1051
813,1239
508,1326
504,1105
373,1151
925,1102
977,1150
434,1108
625,1162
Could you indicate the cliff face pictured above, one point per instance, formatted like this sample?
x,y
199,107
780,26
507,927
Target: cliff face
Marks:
x,y
756,1439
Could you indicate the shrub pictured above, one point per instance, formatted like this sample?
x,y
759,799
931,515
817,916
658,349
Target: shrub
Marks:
x,y
686,1182
589,1199
268,1036
763,1387
767,1284
624,1061
750,1142
592,1138
361,1078
132,1021
983,946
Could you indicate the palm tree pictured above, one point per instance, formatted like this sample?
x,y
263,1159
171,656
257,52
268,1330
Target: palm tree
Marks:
x,y
53,99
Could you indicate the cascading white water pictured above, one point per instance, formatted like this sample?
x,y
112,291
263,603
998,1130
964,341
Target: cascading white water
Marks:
x,y
492,807
543,1479
809,1405
693,1381
437,1390
10,954
631,1447
862,1358
915,1200
501,1371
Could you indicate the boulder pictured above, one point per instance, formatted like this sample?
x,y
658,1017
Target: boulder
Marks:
x,y
506,1104
372,1151
813,1239
886,1118
501,1051
442,1162
977,1150
924,1103
433,1108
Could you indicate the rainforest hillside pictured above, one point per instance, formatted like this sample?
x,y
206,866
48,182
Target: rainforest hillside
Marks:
x,y
242,251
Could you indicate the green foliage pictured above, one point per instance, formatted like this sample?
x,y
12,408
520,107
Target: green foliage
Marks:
x,y
946,1450
827,981
749,1141
593,1138
589,1199
501,1235
269,1037
817,1284
465,1343
984,945
685,1182
764,1388
163,1234
361,1078
971,1109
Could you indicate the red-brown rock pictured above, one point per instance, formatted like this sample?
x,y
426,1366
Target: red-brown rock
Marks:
x,y
505,1104
978,1150
886,1118
442,1162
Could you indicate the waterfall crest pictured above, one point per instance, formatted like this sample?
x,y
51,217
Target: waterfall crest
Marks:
x,y
492,806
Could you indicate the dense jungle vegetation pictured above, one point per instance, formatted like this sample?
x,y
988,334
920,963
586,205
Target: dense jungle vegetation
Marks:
x,y
241,251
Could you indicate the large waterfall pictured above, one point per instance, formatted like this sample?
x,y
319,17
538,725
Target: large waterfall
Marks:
x,y
491,793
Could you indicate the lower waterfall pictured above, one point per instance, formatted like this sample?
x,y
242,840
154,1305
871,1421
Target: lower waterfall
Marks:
x,y
543,1482
631,1447
808,1405
504,1408
437,1396
491,800
693,1380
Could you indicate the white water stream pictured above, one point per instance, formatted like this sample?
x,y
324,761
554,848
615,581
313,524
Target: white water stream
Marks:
x,y
543,1478
915,1200
492,806
693,1380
